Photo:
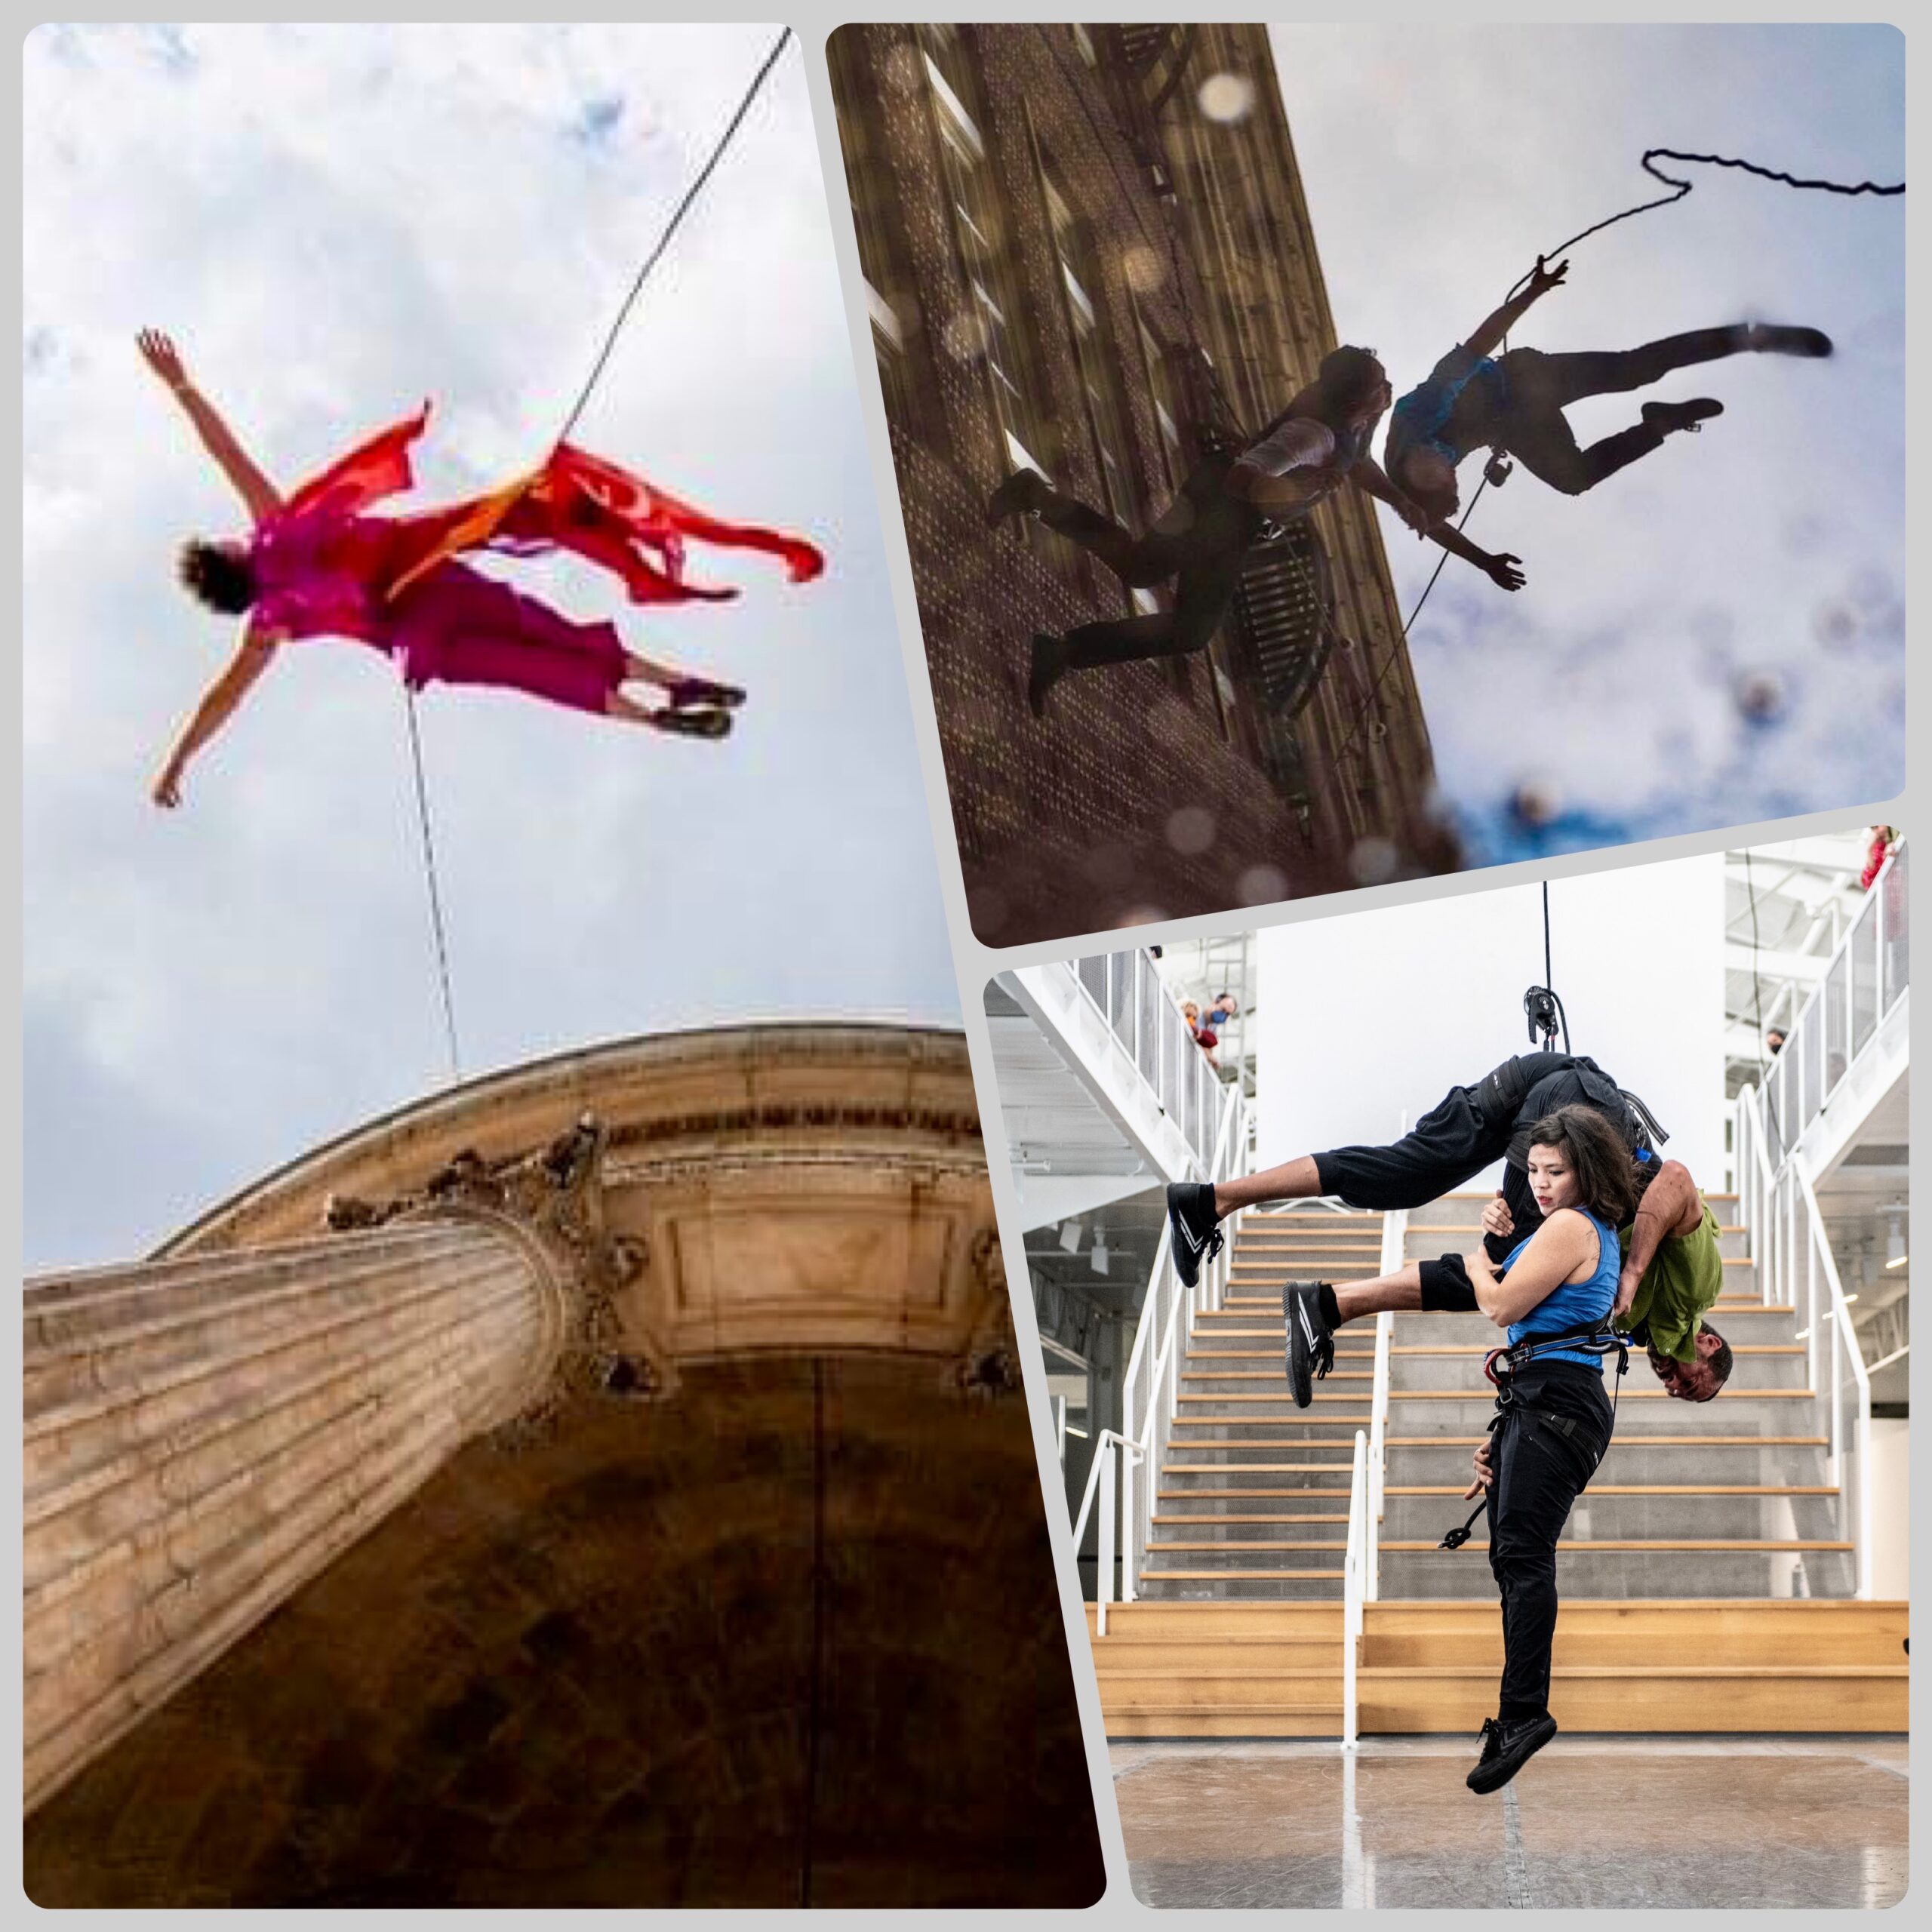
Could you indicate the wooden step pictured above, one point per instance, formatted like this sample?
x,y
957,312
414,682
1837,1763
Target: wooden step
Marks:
x,y
1628,1545
1637,1489
1259,1669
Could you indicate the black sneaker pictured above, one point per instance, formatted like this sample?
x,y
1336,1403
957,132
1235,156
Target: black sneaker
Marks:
x,y
1194,1227
1774,338
704,722
1017,495
1044,672
690,694
1507,1748
1667,417
1311,1340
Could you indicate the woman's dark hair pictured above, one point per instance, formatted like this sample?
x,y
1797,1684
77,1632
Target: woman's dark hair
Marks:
x,y
1348,376
216,575
1607,1181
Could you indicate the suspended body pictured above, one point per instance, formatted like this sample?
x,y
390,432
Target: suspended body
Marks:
x,y
324,566
323,561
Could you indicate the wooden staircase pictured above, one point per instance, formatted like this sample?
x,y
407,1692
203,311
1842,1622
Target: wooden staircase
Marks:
x,y
1274,1669
1698,1569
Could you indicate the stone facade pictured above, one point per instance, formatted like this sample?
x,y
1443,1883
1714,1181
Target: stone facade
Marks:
x,y
624,1498
1156,289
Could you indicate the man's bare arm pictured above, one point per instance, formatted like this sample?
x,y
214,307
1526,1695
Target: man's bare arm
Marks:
x,y
1671,1207
1369,475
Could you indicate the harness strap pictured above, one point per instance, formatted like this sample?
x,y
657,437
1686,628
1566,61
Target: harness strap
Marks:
x,y
1592,1337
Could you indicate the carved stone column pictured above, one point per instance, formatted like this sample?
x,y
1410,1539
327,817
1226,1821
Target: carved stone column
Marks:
x,y
204,1435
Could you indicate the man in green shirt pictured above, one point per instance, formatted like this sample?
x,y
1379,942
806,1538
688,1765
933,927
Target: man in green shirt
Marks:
x,y
1673,1275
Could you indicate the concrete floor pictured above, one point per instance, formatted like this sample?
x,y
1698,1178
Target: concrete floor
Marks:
x,y
1590,1821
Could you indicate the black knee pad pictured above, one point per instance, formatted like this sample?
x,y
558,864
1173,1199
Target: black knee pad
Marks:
x,y
1446,1287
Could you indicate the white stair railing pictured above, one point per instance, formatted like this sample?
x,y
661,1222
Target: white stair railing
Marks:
x,y
1792,1258
1394,1247
1150,1393
1114,1457
1354,1571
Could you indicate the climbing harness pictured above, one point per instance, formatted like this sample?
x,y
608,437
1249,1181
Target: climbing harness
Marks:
x,y
439,931
1500,1365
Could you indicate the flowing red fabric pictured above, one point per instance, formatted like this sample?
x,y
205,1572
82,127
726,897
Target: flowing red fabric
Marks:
x,y
577,501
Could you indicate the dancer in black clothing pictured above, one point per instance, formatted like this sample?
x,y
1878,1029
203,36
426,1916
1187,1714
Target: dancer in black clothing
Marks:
x,y
1319,442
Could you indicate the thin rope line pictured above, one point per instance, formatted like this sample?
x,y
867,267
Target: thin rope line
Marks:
x,y
429,874
603,354
670,229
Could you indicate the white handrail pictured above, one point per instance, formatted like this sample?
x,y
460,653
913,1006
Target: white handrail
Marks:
x,y
1771,1202
1165,1337
1354,1569
1378,1451
1846,1338
1108,1445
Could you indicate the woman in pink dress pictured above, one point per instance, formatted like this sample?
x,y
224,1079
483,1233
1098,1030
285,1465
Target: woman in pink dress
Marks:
x,y
316,564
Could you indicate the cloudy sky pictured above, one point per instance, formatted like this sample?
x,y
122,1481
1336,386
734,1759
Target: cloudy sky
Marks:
x,y
335,223
1437,160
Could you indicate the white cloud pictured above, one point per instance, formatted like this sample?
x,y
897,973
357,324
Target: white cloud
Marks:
x,y
335,222
1437,160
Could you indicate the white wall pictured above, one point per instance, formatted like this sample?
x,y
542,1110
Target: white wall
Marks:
x,y
1368,1015
1891,1513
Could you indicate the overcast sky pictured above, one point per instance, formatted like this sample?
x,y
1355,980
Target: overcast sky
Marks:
x,y
335,223
1437,160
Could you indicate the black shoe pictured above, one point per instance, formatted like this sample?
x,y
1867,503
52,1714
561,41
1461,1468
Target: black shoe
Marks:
x,y
701,721
1193,1226
1507,1748
1667,417
1049,661
1774,338
1017,495
687,693
1311,1340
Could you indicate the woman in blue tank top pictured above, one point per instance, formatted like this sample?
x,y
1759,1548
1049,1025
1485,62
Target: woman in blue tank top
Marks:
x,y
1553,1427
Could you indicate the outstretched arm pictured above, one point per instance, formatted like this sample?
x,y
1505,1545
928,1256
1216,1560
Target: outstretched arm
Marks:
x,y
1500,567
1494,327
254,489
1671,1207
219,703
1368,474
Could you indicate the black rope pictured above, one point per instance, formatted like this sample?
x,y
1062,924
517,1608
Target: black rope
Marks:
x,y
577,409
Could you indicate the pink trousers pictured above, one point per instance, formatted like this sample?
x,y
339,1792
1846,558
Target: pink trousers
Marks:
x,y
456,626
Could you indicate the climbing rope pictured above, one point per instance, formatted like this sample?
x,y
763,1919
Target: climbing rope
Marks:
x,y
439,931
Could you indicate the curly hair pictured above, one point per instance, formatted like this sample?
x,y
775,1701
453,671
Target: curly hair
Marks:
x,y
1348,376
216,574
1607,1182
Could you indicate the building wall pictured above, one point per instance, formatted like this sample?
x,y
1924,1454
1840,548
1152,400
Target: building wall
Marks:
x,y
1367,1017
1067,824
